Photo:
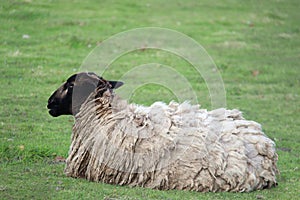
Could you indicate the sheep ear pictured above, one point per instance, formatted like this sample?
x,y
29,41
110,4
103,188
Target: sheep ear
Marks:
x,y
116,84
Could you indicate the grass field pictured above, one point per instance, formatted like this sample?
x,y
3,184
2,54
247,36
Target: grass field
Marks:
x,y
255,44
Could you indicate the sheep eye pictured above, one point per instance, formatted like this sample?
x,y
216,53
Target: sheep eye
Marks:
x,y
71,85
68,86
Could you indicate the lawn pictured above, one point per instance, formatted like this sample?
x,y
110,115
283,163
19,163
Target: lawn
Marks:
x,y
255,45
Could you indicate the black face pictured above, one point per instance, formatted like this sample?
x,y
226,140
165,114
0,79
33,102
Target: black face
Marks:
x,y
63,102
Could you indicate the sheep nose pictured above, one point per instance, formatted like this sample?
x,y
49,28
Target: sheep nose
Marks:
x,y
51,103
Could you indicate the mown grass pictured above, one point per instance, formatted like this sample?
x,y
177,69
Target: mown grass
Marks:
x,y
255,44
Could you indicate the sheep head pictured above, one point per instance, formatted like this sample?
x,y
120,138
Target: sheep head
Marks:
x,y
68,98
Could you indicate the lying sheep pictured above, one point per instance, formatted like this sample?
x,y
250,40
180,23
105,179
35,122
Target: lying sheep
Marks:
x,y
175,146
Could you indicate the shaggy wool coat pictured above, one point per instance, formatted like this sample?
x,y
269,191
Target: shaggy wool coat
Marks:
x,y
175,146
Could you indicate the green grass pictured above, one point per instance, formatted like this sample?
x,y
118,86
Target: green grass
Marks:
x,y
241,36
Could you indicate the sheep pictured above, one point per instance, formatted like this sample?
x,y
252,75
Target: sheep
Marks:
x,y
175,146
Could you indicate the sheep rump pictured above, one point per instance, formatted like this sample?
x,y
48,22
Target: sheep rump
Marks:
x,y
175,146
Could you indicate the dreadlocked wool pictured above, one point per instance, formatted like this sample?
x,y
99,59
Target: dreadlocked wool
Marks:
x,y
175,146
